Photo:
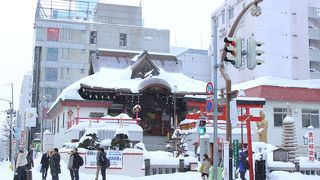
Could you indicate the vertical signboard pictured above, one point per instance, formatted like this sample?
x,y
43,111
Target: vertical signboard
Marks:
x,y
31,117
235,153
310,144
226,160
53,34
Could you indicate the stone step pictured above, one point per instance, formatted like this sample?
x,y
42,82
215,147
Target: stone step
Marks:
x,y
155,143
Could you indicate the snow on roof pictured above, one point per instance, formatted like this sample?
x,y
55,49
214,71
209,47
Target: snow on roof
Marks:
x,y
280,82
121,79
288,119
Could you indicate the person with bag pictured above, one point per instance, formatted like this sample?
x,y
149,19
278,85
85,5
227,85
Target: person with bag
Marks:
x,y
21,162
243,165
204,169
55,164
74,164
103,162
45,164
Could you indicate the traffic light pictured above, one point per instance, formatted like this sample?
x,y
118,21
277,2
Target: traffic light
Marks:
x,y
252,60
235,49
202,126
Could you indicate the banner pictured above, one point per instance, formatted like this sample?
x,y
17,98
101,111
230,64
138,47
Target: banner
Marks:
x,y
226,160
31,117
115,158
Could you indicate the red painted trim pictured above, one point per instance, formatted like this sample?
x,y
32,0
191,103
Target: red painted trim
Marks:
x,y
249,148
284,93
96,168
142,169
132,153
86,104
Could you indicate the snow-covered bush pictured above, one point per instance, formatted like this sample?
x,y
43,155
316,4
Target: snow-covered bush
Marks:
x,y
120,140
89,141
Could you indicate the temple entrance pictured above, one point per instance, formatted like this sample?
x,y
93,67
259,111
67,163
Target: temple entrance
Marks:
x,y
157,104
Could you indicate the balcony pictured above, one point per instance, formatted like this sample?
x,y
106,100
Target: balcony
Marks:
x,y
314,55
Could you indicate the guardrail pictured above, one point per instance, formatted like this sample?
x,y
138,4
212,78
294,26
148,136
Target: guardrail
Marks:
x,y
163,169
77,120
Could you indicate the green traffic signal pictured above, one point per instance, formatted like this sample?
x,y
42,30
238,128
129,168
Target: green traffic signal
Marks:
x,y
202,131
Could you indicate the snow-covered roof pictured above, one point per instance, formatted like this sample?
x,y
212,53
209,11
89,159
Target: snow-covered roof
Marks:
x,y
117,79
280,82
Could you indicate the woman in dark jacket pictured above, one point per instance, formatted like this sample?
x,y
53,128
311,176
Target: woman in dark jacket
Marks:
x,y
242,168
45,164
55,164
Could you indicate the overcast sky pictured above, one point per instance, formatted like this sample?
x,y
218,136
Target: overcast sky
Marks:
x,y
187,20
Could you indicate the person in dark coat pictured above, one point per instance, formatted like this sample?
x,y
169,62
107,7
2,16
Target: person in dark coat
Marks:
x,y
242,169
45,164
101,162
55,164
30,158
74,164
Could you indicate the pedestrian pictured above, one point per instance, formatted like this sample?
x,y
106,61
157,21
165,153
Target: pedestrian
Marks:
x,y
98,164
75,161
55,164
243,165
45,164
204,169
21,162
103,162
30,159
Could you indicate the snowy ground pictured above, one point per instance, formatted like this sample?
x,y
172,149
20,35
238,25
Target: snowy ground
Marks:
x,y
6,173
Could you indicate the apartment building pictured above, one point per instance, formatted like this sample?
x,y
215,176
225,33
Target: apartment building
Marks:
x,y
290,30
65,37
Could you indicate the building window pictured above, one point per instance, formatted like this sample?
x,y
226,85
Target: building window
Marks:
x,y
82,71
68,73
52,54
65,53
231,13
53,34
123,40
223,17
65,34
51,74
279,114
39,34
61,73
93,37
310,117
96,115
50,93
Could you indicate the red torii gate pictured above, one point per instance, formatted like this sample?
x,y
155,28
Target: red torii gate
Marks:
x,y
242,102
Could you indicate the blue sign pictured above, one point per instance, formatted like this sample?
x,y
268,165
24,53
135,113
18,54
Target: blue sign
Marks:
x,y
209,88
209,106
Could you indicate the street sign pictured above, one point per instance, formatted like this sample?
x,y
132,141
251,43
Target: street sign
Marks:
x,y
37,145
209,88
209,106
236,153
209,97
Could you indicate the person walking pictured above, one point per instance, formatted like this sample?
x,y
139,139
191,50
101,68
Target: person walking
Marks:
x,y
44,164
55,164
30,158
74,164
243,165
21,162
98,164
102,162
204,169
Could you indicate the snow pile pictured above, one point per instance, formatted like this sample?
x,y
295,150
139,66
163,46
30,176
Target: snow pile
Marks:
x,y
288,119
280,82
281,175
305,163
106,143
141,146
161,158
122,131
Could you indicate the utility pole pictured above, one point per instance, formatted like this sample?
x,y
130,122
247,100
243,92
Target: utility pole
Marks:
x,y
215,100
228,81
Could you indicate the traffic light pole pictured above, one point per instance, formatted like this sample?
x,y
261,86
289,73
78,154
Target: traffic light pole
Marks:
x,y
228,84
215,101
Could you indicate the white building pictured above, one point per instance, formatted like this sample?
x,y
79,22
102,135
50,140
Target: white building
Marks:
x,y
24,103
290,30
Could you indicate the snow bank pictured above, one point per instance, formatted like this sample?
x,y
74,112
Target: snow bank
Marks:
x,y
305,163
131,150
281,175
280,82
161,158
